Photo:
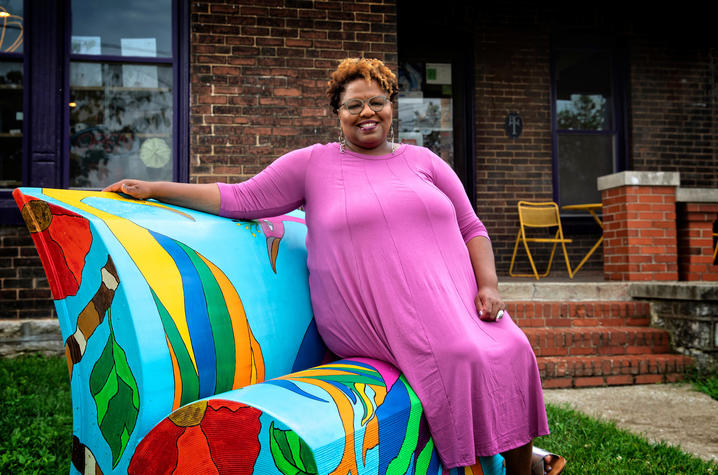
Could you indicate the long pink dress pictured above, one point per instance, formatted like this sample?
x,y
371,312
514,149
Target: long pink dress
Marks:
x,y
391,278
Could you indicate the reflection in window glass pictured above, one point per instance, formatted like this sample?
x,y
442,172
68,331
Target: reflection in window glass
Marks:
x,y
120,123
583,158
584,124
425,109
126,28
11,26
583,87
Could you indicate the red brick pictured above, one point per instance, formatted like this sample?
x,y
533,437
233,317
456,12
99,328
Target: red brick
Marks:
x,y
589,382
619,380
649,378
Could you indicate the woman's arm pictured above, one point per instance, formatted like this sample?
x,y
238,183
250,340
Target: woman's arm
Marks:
x,y
202,197
488,300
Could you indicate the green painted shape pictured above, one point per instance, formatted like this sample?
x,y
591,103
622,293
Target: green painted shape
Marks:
x,y
219,319
424,458
346,380
290,453
402,461
188,373
357,370
114,389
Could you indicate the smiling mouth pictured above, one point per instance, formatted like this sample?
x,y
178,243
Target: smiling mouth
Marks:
x,y
368,126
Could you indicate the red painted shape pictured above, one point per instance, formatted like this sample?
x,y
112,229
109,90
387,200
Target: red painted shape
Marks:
x,y
62,238
72,233
233,436
225,441
157,453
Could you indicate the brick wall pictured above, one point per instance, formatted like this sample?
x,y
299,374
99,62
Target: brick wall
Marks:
x,y
24,291
696,244
673,108
640,233
512,75
259,70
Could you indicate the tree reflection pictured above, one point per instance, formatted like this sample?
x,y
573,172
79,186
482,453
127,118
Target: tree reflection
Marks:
x,y
582,112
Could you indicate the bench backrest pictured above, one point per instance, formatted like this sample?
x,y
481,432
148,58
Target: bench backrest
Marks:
x,y
160,306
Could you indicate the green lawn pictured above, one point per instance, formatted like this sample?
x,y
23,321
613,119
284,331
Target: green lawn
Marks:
x,y
37,422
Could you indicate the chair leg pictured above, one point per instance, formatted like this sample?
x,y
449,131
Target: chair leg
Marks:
x,y
550,260
513,259
568,264
531,260
513,256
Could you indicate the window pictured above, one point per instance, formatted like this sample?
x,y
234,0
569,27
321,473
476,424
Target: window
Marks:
x,y
425,107
92,91
436,84
11,92
121,91
588,136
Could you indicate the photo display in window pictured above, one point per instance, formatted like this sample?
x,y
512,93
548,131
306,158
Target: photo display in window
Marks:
x,y
425,107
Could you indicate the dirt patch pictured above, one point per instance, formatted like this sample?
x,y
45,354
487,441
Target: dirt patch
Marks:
x,y
672,413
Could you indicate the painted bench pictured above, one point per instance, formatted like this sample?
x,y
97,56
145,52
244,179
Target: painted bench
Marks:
x,y
192,348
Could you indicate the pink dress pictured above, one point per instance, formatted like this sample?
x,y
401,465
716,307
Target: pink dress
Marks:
x,y
390,278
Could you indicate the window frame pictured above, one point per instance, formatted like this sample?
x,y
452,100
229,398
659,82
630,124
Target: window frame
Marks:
x,y
47,164
619,103
414,45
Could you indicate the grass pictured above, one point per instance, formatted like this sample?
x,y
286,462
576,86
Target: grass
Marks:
x,y
37,417
705,381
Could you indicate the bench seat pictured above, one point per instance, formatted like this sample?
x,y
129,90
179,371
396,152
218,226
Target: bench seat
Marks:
x,y
192,348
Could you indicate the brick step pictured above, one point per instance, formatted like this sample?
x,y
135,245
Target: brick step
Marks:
x,y
537,313
582,341
611,370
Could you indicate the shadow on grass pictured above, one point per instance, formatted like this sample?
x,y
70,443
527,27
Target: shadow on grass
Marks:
x,y
37,434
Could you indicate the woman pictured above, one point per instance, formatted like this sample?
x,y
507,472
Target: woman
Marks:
x,y
400,269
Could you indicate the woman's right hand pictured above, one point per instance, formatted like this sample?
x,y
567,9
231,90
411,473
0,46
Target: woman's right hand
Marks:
x,y
137,189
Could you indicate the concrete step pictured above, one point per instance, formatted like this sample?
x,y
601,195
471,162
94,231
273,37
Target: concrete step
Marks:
x,y
611,370
606,341
567,313
564,291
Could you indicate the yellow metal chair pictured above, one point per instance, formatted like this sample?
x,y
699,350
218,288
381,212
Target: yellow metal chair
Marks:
x,y
715,250
539,215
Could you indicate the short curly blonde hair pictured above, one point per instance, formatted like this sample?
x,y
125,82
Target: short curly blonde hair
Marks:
x,y
354,68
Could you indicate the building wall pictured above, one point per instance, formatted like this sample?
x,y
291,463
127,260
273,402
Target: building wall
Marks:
x,y
259,71
24,291
674,93
512,75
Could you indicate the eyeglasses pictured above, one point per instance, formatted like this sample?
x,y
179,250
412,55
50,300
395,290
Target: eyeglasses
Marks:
x,y
355,106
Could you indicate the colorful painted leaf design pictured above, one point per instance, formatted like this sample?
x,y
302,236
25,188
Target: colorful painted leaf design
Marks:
x,y
291,454
114,389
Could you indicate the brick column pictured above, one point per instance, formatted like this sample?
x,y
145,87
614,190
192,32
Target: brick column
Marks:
x,y
639,225
697,215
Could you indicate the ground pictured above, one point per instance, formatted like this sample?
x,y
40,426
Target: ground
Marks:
x,y
673,413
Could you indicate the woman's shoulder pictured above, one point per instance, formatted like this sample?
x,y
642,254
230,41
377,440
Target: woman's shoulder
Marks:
x,y
419,154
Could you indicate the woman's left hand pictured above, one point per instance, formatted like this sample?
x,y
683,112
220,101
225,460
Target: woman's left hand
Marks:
x,y
489,303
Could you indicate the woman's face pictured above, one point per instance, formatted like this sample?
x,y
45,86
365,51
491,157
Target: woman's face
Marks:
x,y
366,132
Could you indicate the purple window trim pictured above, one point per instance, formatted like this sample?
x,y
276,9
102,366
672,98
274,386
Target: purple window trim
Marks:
x,y
96,58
